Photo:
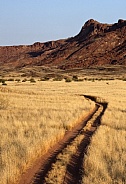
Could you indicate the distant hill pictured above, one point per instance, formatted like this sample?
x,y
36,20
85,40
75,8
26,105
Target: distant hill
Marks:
x,y
96,44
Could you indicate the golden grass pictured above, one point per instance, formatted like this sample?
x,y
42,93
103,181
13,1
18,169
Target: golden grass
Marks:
x,y
37,115
105,162
59,170
32,118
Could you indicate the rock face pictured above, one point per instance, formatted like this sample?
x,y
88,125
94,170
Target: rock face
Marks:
x,y
96,44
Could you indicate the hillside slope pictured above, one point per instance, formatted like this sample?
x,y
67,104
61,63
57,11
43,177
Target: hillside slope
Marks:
x,y
96,44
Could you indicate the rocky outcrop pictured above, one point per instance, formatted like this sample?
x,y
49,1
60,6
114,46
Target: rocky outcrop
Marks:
x,y
96,44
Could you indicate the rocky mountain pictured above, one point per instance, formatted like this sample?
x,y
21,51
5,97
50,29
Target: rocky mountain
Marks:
x,y
96,44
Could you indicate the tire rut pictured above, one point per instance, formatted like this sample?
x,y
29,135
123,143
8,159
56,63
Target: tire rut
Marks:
x,y
40,170
75,170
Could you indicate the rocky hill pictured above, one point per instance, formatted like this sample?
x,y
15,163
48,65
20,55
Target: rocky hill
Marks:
x,y
96,44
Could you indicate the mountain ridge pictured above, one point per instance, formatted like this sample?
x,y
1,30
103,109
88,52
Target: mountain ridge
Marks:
x,y
95,44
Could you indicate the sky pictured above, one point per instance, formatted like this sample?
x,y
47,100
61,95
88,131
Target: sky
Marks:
x,y
23,22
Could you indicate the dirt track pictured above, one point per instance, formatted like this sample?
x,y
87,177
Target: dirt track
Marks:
x,y
74,170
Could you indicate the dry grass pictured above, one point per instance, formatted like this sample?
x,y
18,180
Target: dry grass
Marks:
x,y
35,112
105,162
32,118
59,170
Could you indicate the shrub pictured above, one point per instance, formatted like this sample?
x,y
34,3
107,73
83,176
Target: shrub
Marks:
x,y
24,80
2,80
11,79
44,78
85,79
4,84
80,80
68,80
75,78
17,80
32,80
57,79
23,75
124,79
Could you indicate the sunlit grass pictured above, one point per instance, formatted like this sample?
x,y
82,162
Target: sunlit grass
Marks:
x,y
32,119
105,162
34,116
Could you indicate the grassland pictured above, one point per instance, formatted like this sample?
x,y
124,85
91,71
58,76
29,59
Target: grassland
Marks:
x,y
35,116
32,118
105,162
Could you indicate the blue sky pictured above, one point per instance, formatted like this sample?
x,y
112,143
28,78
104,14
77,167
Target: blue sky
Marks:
x,y
29,21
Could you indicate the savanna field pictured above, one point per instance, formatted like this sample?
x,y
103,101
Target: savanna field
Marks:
x,y
35,116
62,92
